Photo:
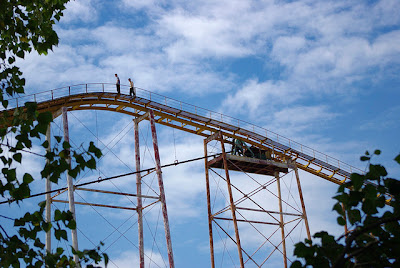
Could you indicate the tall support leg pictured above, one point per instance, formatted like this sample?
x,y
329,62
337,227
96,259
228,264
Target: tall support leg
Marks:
x,y
302,203
162,193
281,219
70,186
139,195
48,195
209,207
233,208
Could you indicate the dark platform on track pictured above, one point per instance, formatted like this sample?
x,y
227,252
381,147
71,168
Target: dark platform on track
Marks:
x,y
249,165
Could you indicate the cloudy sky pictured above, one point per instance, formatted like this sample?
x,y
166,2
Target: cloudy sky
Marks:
x,y
323,73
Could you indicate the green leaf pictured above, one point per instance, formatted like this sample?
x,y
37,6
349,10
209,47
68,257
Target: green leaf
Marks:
x,y
46,226
393,186
296,264
106,259
397,159
93,149
357,180
338,208
71,225
376,171
17,157
57,215
27,178
20,54
301,250
369,207
45,144
365,158
370,191
38,244
4,103
66,145
73,172
341,221
60,234
11,60
42,204
91,163
354,216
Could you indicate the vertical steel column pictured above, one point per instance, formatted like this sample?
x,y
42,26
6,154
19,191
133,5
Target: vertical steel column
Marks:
x,y
233,209
139,194
162,193
70,186
302,202
48,195
209,206
281,223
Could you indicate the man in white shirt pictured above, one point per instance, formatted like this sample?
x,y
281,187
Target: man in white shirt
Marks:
x,y
132,91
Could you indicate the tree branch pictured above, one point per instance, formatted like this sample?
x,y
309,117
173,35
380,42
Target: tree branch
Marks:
x,y
349,240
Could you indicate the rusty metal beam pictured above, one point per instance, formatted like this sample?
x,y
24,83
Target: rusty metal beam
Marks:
x,y
94,205
248,221
162,193
71,198
282,225
210,217
116,193
139,193
233,209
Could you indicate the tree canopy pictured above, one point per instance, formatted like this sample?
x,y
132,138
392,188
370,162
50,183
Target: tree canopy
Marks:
x,y
26,26
370,204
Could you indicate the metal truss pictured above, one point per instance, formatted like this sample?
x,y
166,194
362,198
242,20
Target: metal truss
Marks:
x,y
241,202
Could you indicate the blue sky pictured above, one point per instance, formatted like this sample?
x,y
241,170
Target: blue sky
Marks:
x,y
323,73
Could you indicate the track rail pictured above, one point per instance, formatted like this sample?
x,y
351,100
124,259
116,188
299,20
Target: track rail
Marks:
x,y
189,118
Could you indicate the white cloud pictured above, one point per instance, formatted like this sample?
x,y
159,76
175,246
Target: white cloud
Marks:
x,y
138,4
131,259
299,119
201,37
254,94
80,10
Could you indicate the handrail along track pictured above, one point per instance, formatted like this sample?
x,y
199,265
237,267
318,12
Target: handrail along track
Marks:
x,y
189,118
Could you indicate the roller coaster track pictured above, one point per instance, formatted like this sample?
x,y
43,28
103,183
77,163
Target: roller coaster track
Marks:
x,y
189,118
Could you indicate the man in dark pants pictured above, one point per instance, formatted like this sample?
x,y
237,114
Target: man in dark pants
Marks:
x,y
132,91
118,84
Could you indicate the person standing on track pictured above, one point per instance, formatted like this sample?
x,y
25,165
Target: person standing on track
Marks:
x,y
132,91
118,84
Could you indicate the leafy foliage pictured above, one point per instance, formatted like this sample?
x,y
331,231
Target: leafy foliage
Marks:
x,y
370,204
27,26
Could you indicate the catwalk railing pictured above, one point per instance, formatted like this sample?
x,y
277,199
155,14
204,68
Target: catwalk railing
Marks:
x,y
274,139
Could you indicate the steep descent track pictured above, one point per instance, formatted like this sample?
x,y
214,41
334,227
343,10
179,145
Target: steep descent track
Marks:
x,y
189,118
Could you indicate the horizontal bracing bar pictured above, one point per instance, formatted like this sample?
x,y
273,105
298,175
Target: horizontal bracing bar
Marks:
x,y
260,222
94,205
268,211
116,193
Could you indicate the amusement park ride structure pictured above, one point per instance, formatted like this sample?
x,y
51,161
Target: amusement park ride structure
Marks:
x,y
275,157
